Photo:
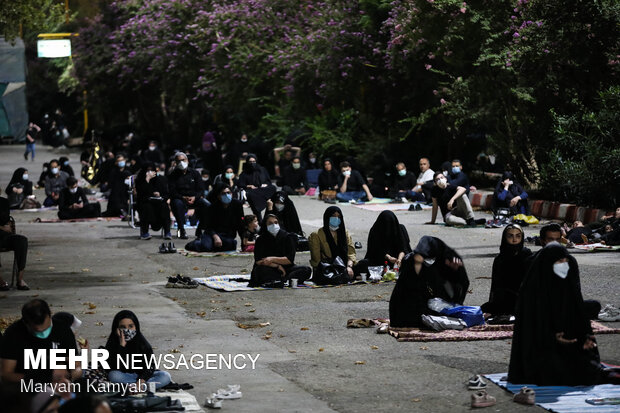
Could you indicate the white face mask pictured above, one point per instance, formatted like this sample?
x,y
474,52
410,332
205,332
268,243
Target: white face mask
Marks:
x,y
429,261
561,269
442,183
152,148
273,229
347,173
25,177
312,160
183,165
279,207
160,173
296,165
73,190
55,171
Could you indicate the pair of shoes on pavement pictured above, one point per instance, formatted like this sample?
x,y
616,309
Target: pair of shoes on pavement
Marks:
x,y
609,313
232,392
178,281
167,248
481,398
415,207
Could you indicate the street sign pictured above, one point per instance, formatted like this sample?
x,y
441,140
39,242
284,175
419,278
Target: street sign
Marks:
x,y
54,48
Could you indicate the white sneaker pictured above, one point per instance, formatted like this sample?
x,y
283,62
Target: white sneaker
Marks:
x,y
213,402
610,313
230,393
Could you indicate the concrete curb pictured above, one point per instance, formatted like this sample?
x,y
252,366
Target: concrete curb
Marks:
x,y
544,209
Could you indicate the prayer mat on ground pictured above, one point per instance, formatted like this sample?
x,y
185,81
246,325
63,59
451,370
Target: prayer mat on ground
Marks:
x,y
49,221
390,207
568,399
187,253
189,402
484,332
52,208
230,283
597,247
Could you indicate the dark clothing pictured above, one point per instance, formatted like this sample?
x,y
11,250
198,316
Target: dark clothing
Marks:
x,y
412,291
509,269
548,305
119,197
156,156
294,179
282,245
185,184
328,180
17,338
257,197
288,217
355,182
137,345
221,220
460,179
574,235
13,242
502,197
68,169
54,184
67,199
443,196
153,210
16,181
386,236
403,184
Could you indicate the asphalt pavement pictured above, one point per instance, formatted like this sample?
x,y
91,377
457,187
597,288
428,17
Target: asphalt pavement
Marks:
x,y
308,360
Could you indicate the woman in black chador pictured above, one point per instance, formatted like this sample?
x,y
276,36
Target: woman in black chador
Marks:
x,y
553,342
257,184
282,207
388,241
509,269
433,270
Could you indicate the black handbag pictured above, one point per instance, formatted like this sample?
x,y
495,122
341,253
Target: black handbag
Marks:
x,y
333,273
302,243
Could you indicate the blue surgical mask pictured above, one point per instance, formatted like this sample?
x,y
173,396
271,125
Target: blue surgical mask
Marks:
x,y
456,169
273,229
229,175
121,164
24,177
55,171
65,163
226,198
43,334
334,223
402,172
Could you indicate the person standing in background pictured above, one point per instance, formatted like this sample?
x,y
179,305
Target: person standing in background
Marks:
x,y
31,138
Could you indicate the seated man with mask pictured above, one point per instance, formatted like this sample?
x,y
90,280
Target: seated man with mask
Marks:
x,y
453,203
186,192
35,330
73,203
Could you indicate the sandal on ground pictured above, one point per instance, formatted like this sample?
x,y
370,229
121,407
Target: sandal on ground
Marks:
x,y
213,402
231,392
23,287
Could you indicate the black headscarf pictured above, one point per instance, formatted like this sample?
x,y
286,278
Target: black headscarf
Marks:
x,y
137,345
547,305
386,236
16,179
328,179
288,218
342,249
214,195
509,269
439,277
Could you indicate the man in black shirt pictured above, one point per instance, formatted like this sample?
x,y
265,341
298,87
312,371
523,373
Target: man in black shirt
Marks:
x,y
118,200
73,202
352,185
404,182
36,331
186,192
294,180
453,202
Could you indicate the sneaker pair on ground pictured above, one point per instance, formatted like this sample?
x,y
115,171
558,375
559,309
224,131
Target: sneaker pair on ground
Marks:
x,y
481,398
609,313
415,207
179,281
146,236
167,248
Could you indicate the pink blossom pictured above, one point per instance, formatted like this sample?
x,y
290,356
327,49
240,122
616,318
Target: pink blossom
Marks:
x,y
442,101
427,66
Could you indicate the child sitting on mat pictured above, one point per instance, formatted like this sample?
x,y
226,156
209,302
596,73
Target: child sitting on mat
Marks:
x,y
250,233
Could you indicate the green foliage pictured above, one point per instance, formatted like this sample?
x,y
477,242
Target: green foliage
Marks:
x,y
32,15
584,166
